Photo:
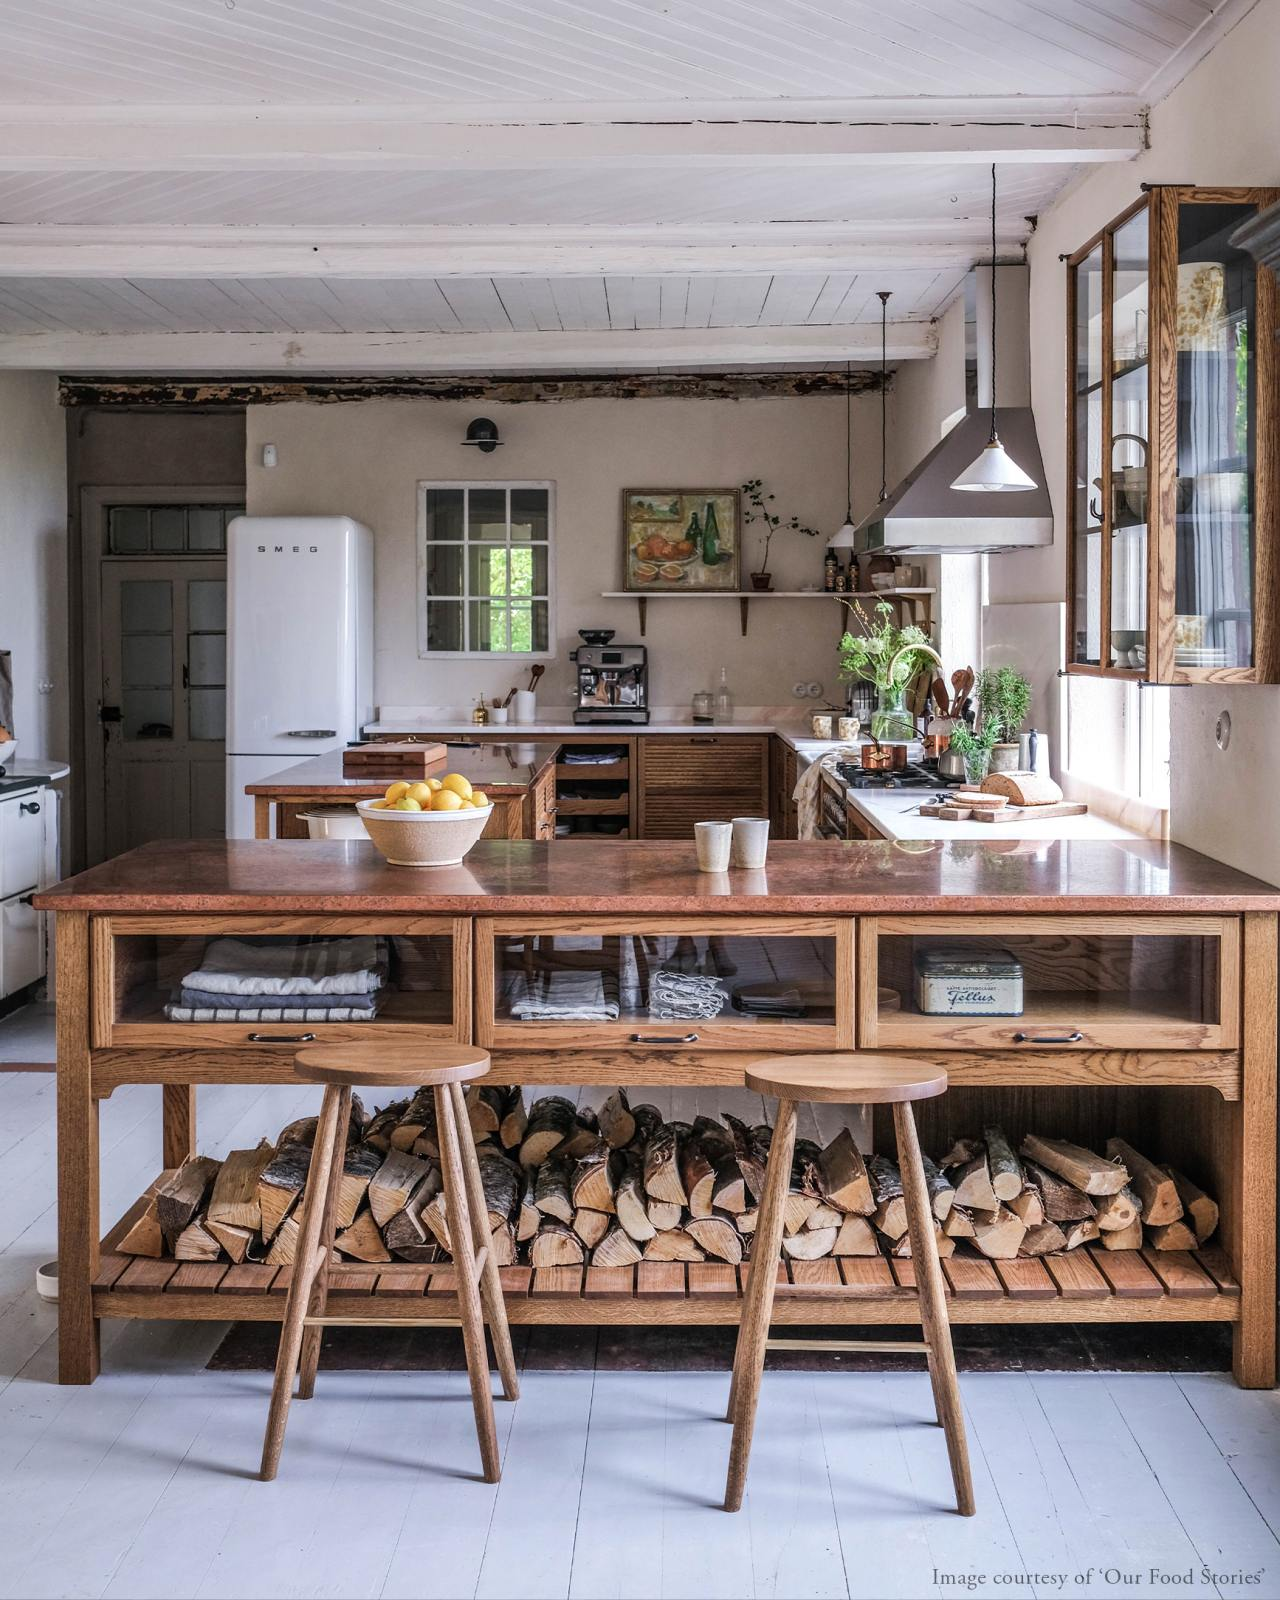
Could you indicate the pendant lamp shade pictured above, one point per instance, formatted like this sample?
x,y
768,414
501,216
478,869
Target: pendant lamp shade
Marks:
x,y
843,539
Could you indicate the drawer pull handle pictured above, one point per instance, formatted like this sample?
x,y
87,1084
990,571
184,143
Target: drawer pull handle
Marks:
x,y
664,1038
31,807
1074,1037
705,738
281,1038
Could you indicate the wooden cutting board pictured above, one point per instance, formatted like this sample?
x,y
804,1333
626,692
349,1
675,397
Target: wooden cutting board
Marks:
x,y
392,760
1061,808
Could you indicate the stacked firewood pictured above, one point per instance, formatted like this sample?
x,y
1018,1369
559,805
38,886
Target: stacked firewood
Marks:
x,y
568,1187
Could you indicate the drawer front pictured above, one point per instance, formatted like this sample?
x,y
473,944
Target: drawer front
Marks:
x,y
21,945
672,816
721,763
21,843
1052,983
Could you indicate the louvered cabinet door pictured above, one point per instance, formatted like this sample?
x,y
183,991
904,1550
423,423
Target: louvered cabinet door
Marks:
x,y
709,777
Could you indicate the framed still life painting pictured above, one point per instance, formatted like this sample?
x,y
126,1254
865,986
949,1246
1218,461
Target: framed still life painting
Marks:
x,y
680,539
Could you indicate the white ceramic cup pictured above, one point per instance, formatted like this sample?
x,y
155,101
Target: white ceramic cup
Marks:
x,y
713,841
750,846
497,713
525,705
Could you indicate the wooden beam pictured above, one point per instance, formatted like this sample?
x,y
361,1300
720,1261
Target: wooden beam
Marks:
x,y
333,353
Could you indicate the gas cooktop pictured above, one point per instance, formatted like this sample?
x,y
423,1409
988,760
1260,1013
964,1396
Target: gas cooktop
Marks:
x,y
915,775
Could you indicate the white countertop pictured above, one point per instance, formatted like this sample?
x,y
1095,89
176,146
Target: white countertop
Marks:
x,y
893,812
534,730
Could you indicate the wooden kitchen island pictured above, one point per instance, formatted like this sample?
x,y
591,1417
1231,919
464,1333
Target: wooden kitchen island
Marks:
x,y
1150,1014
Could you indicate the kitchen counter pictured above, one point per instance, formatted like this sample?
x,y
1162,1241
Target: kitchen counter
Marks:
x,y
559,728
21,774
895,814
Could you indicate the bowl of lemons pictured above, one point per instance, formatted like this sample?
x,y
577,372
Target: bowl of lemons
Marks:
x,y
431,823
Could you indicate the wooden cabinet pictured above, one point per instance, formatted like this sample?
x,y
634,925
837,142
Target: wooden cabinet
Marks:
x,y
783,773
1173,445
700,777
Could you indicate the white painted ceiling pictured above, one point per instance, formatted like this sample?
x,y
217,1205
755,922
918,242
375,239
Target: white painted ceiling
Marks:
x,y
103,103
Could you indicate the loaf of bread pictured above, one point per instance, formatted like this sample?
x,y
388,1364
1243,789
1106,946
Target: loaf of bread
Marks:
x,y
1023,788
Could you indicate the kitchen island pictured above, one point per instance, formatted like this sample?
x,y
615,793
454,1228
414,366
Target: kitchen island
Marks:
x,y
1149,1014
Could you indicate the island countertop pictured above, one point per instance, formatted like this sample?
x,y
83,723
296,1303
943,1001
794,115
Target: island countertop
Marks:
x,y
635,877
495,768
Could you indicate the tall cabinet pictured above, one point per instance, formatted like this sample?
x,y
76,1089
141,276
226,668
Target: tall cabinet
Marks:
x,y
1173,567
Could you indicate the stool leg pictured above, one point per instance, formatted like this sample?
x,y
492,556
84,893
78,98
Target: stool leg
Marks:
x,y
933,1307
460,1236
304,1268
490,1284
319,1296
766,1251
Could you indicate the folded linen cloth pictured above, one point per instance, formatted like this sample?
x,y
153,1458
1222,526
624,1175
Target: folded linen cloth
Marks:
x,y
684,995
809,785
187,996
340,966
175,1011
587,995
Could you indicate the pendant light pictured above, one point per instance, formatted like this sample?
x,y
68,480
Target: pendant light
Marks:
x,y
843,539
994,471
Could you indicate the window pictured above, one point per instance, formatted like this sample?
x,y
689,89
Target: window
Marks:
x,y
191,530
484,569
1118,737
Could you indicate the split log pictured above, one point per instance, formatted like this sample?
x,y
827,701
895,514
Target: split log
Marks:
x,y
529,1219
1198,1210
583,1139
901,1248
144,1237
717,1236
1171,1236
234,1240
942,1194
796,1211
363,1239
485,1106
1118,1211
552,1120
961,1153
389,1185
301,1131
629,1200
617,1125
1042,1239
435,1216
973,1184
280,1185
500,1182
1078,1233
844,1176
556,1246
706,1152
664,1214
1080,1167
662,1163
823,1216
382,1124
959,1223
746,1220
886,1190
590,1226
515,1120
1156,1191
647,1119
750,1151
729,1191
855,1237
673,1244
591,1183
616,1249
406,1234
234,1199
998,1233
182,1195
1003,1165
361,1163
1028,1205
810,1245
551,1191
284,1245
1062,1202
418,1126
1129,1238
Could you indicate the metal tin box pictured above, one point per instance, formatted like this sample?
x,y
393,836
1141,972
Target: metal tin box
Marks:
x,y
971,983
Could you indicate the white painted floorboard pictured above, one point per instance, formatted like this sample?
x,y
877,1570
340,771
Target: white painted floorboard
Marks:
x,y
143,1485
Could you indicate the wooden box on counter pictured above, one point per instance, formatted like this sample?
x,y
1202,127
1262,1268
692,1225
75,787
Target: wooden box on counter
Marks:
x,y
392,761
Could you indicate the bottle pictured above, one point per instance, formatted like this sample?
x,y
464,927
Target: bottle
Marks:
x,y
710,536
724,698
830,566
480,714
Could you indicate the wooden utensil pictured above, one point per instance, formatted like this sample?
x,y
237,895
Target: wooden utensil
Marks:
x,y
511,694
535,672
940,698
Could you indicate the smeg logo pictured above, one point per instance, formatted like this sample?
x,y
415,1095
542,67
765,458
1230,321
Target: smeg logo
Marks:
x,y
292,549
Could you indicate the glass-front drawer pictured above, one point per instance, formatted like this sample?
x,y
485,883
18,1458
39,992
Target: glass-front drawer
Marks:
x,y
1161,983
728,983
280,981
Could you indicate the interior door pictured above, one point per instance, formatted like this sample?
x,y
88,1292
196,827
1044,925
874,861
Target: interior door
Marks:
x,y
163,705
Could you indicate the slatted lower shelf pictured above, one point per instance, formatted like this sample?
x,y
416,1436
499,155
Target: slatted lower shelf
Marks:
x,y
1087,1285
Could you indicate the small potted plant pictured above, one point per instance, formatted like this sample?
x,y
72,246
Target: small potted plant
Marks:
x,y
974,749
891,658
758,503
1004,698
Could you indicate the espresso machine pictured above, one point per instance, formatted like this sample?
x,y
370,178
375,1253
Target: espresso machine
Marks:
x,y
613,679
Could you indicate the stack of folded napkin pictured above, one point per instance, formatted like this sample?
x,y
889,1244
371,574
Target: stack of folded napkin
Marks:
x,y
293,980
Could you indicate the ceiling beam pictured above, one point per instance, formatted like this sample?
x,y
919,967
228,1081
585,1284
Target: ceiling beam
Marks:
x,y
361,138
56,250
334,353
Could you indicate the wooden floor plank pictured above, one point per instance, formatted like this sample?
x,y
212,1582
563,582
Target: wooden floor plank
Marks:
x,y
712,1277
198,1277
1215,1261
815,1277
609,1281
867,1275
109,1269
1129,1276
904,1272
145,1277
1178,1272
660,1280
250,1277
560,1283
1026,1280
1076,1276
404,1281
971,1278
516,1281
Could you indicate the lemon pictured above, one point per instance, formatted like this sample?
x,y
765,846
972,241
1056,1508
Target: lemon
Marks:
x,y
406,802
433,784
461,786
378,805
446,800
479,799
420,792
395,791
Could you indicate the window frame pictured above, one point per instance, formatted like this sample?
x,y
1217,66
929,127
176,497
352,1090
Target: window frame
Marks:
x,y
467,544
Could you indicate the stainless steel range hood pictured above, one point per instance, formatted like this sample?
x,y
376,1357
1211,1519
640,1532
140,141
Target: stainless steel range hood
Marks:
x,y
924,515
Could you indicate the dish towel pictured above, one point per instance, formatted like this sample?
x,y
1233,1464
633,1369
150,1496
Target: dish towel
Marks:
x,y
299,1011
341,967
806,790
187,996
564,996
680,996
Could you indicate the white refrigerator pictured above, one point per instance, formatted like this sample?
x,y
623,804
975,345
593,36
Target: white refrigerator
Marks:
x,y
299,646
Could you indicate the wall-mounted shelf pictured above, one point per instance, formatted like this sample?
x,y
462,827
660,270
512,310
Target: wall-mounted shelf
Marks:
x,y
907,598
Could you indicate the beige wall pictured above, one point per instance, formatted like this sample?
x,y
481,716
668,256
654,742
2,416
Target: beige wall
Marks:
x,y
33,557
364,460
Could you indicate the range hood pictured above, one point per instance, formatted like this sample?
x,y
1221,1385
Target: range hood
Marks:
x,y
924,515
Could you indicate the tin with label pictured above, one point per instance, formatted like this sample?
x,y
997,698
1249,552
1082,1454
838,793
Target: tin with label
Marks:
x,y
972,983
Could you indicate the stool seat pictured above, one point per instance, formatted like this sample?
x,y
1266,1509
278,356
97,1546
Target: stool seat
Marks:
x,y
881,1080
379,1065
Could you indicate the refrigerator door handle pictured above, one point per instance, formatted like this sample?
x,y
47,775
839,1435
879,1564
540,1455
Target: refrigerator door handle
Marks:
x,y
311,733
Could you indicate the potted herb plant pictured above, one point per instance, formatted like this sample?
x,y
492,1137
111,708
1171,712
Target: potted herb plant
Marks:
x,y
758,502
974,749
891,658
1004,698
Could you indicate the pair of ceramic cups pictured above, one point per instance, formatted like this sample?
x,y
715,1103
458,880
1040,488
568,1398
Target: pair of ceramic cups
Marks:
x,y
744,842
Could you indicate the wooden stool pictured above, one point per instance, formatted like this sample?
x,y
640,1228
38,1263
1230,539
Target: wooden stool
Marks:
x,y
875,1080
342,1068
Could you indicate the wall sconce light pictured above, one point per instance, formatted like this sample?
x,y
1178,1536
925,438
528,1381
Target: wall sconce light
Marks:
x,y
483,434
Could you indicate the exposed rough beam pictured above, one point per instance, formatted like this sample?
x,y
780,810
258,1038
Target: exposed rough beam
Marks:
x,y
163,353
56,250
307,139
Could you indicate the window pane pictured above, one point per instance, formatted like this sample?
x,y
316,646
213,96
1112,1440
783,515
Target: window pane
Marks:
x,y
127,530
168,529
207,659
529,565
146,606
207,527
487,513
444,625
444,569
147,661
541,626
208,713
488,626
207,605
529,513
488,570
444,514
148,714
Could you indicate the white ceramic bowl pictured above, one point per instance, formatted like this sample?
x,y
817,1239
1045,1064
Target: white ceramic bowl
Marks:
x,y
7,748
423,838
333,822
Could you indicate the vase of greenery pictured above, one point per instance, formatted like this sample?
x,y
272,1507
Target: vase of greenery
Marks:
x,y
974,749
890,658
1004,698
759,503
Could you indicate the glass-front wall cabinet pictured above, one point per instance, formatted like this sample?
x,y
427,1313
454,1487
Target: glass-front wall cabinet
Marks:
x,y
1171,432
